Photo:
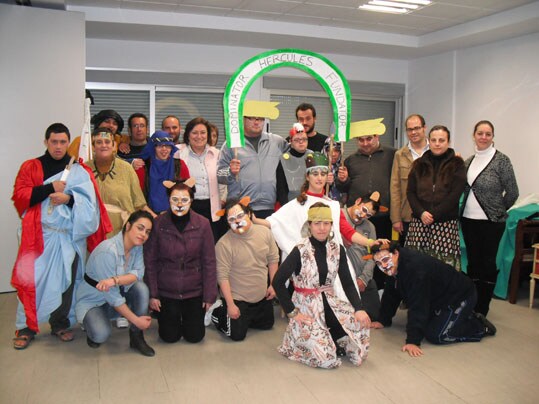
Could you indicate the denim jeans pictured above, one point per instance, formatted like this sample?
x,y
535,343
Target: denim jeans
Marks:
x,y
97,320
455,324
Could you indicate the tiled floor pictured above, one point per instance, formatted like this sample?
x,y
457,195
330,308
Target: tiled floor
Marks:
x,y
501,369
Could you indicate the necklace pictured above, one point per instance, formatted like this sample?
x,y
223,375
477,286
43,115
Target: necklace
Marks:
x,y
103,175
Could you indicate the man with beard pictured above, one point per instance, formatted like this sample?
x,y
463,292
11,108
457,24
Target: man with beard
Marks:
x,y
306,115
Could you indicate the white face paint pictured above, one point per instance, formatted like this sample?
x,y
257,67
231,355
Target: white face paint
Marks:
x,y
360,213
238,220
180,202
239,226
385,263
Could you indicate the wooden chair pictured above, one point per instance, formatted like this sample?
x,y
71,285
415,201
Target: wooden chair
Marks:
x,y
527,234
535,272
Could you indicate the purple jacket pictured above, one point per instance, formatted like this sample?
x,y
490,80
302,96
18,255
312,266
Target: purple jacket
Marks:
x,y
181,265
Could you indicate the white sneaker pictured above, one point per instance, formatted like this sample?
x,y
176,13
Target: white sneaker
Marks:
x,y
121,322
207,316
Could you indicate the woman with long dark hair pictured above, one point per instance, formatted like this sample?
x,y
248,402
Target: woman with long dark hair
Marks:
x,y
113,286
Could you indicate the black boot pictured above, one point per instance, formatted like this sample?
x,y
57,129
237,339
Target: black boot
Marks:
x,y
136,341
490,329
91,343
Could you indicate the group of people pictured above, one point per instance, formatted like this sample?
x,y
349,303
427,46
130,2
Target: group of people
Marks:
x,y
198,235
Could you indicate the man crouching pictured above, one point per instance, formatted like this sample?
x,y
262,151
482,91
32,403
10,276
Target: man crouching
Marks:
x,y
245,255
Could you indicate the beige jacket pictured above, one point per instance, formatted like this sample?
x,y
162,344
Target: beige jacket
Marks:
x,y
400,210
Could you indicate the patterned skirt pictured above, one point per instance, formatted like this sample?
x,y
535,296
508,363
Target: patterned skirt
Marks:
x,y
440,240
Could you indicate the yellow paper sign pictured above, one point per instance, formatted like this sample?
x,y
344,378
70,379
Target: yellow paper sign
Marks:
x,y
368,127
263,109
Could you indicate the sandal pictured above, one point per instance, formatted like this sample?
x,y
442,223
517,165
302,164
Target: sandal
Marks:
x,y
64,335
22,341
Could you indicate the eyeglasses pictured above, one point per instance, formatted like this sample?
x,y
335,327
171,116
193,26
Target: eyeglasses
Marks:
x,y
254,118
300,139
232,219
319,171
184,200
366,211
139,125
415,129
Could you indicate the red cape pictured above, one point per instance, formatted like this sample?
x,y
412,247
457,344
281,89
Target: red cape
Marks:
x,y
31,247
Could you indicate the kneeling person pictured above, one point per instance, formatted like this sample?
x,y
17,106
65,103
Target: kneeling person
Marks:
x,y
440,300
245,255
358,216
113,286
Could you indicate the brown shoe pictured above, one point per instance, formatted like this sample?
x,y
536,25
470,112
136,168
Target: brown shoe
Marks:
x,y
64,335
22,341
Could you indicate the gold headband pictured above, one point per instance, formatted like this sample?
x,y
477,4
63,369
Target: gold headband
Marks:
x,y
102,134
320,214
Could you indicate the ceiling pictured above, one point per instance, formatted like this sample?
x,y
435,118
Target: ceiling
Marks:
x,y
325,26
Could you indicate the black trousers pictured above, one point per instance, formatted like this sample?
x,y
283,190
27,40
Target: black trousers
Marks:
x,y
402,237
384,228
455,324
482,238
335,328
59,318
371,299
253,315
181,318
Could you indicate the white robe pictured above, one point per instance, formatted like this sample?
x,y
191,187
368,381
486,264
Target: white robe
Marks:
x,y
287,222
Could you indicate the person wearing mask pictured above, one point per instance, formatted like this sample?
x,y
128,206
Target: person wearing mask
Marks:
x,y
180,267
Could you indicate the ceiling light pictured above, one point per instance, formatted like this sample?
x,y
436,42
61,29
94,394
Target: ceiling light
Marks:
x,y
383,9
419,2
393,4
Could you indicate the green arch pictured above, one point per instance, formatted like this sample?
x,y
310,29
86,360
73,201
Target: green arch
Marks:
x,y
244,77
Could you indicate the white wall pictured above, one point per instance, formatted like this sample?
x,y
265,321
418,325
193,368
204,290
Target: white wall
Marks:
x,y
168,57
430,88
42,81
498,82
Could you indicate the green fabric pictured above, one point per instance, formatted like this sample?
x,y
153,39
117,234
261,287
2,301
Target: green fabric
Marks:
x,y
316,159
506,250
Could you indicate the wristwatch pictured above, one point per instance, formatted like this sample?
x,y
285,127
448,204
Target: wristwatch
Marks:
x,y
293,313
